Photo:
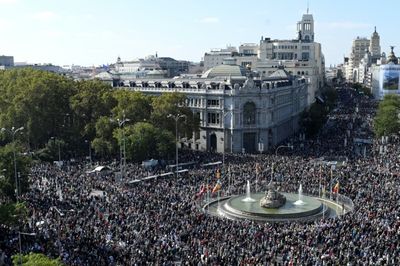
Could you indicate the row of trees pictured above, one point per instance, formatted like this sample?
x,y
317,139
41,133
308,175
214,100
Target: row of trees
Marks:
x,y
387,119
316,115
59,114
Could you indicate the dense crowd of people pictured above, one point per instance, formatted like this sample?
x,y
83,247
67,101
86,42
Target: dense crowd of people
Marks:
x,y
160,222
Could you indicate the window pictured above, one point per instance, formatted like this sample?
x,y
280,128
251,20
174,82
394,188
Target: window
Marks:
x,y
249,113
213,118
305,56
213,103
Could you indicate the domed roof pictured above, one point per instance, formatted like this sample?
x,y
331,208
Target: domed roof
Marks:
x,y
392,57
156,73
228,68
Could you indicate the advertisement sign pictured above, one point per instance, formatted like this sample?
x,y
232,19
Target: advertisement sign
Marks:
x,y
389,82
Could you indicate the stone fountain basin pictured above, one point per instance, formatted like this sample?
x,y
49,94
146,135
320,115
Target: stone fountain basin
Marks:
x,y
235,207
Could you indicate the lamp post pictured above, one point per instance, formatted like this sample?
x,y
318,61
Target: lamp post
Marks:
x,y
122,149
20,244
176,118
13,131
60,214
223,130
90,151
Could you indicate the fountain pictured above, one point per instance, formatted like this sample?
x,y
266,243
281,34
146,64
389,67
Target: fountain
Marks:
x,y
272,199
272,205
248,195
300,201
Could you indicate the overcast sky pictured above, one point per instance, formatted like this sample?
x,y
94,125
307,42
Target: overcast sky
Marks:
x,y
94,32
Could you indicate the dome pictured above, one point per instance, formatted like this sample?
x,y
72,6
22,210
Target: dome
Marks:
x,y
224,71
156,73
392,57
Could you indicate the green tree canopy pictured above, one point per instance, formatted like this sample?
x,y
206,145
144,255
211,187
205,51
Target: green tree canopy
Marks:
x,y
37,100
174,103
35,259
145,141
386,121
12,214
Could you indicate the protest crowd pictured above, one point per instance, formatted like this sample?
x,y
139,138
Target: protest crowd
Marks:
x,y
161,221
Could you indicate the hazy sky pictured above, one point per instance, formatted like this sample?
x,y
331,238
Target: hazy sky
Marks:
x,y
93,32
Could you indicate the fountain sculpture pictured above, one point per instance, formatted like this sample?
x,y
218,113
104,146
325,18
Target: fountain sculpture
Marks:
x,y
272,199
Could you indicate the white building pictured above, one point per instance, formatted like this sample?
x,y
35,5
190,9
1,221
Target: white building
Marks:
x,y
385,78
301,56
238,112
216,56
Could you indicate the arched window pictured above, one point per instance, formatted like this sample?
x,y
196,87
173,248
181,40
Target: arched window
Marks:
x,y
249,113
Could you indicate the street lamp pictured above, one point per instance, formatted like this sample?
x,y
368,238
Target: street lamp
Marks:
x,y
90,151
122,149
60,214
13,131
223,130
20,244
176,118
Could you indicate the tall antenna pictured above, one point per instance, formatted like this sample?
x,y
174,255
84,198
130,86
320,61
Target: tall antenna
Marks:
x,y
307,7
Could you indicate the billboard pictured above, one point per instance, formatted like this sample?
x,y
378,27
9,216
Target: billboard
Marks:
x,y
389,80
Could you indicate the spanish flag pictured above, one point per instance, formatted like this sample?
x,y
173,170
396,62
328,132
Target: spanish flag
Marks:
x,y
258,168
336,188
217,187
218,174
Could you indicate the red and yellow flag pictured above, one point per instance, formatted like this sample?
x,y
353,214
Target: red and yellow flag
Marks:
x,y
216,188
218,174
336,188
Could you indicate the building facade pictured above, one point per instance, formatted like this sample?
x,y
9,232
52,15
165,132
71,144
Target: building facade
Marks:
x,y
6,61
300,56
385,78
238,113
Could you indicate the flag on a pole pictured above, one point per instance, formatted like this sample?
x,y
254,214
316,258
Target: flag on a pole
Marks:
x,y
258,168
218,174
336,188
203,189
217,187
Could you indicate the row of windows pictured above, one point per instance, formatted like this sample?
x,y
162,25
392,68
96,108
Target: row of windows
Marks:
x,y
213,103
285,46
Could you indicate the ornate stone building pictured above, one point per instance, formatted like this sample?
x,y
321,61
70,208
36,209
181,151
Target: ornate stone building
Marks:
x,y
239,113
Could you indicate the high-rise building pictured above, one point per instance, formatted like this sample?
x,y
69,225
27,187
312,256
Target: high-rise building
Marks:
x,y
374,46
301,56
6,61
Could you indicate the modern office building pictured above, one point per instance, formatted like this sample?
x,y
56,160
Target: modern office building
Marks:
x,y
6,61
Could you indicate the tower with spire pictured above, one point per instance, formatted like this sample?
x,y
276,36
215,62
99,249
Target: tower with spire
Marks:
x,y
305,28
374,45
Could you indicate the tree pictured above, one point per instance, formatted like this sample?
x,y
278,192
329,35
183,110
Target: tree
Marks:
x,y
313,119
134,105
386,121
174,103
104,143
145,141
38,100
35,259
12,214
93,100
